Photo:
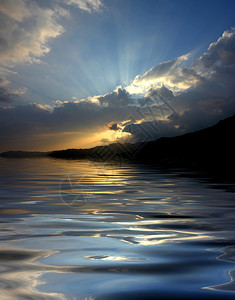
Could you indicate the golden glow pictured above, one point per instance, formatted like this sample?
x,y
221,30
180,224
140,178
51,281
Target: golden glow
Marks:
x,y
110,136
76,139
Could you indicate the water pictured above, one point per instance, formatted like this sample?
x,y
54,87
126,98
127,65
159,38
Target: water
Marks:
x,y
82,230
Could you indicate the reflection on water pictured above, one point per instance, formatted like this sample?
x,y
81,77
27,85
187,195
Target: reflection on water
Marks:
x,y
79,230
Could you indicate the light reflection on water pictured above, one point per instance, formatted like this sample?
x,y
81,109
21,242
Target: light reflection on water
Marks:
x,y
79,230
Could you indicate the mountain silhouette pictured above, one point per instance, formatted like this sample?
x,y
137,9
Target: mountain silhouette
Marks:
x,y
206,146
211,148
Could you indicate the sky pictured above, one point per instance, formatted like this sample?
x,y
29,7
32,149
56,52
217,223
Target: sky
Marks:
x,y
80,73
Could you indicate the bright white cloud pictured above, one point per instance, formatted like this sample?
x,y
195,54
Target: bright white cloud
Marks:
x,y
173,74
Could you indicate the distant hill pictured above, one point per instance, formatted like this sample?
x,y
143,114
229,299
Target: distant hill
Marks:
x,y
212,147
23,154
100,153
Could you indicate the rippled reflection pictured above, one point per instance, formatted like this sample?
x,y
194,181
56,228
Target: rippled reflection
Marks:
x,y
82,230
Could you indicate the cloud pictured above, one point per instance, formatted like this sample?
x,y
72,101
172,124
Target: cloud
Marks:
x,y
217,64
147,131
16,10
119,97
26,30
5,96
158,112
38,126
210,98
105,141
199,115
113,126
9,94
221,52
162,92
173,74
87,5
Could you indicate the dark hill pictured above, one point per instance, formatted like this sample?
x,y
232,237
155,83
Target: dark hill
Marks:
x,y
205,146
210,148
213,142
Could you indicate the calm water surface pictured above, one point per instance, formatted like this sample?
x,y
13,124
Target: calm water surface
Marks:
x,y
82,230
